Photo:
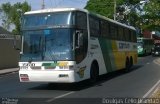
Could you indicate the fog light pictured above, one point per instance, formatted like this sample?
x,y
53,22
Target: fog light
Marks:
x,y
24,77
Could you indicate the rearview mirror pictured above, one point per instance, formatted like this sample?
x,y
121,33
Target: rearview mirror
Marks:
x,y
77,35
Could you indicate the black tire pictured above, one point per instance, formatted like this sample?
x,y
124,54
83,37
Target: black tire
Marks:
x,y
131,62
94,73
127,66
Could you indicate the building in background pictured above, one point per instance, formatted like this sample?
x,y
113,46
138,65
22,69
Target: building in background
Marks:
x,y
155,35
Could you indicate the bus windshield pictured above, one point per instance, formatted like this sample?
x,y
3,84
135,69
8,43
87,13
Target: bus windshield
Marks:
x,y
48,19
47,45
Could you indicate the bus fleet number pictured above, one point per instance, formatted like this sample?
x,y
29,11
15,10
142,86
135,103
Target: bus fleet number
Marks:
x,y
26,65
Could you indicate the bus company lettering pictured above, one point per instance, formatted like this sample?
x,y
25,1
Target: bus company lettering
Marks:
x,y
123,45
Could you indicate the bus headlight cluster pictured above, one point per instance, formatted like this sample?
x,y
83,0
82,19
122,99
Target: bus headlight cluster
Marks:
x,y
66,67
24,77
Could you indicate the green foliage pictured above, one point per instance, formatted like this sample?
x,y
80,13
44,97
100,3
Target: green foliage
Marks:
x,y
11,15
103,7
134,19
149,20
152,15
106,8
133,2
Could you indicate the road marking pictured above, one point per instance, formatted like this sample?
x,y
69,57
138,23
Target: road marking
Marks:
x,y
157,61
60,96
146,95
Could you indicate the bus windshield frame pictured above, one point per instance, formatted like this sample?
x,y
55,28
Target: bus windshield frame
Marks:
x,y
48,36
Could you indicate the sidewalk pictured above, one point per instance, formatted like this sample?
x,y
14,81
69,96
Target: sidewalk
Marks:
x,y
155,93
10,70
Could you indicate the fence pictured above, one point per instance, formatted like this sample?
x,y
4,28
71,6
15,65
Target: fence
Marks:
x,y
8,55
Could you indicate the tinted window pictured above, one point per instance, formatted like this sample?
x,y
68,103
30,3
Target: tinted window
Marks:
x,y
127,35
94,26
104,28
120,33
81,20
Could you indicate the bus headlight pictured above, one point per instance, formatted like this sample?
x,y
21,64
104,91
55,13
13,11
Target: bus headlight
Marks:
x,y
24,77
140,48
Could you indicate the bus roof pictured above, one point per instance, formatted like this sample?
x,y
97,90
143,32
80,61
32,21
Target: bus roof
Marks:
x,y
77,9
54,10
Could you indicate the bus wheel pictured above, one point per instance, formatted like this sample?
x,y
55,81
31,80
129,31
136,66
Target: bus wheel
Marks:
x,y
94,72
127,66
131,62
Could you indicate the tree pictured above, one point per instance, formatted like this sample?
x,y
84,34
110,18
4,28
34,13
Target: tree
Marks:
x,y
5,12
125,11
11,15
132,11
103,7
151,19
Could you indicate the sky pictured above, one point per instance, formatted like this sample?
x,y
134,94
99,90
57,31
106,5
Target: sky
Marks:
x,y
36,4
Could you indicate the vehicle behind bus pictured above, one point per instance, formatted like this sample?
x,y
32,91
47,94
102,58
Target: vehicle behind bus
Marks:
x,y
156,49
144,46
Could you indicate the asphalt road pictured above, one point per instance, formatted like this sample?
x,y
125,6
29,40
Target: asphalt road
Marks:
x,y
134,84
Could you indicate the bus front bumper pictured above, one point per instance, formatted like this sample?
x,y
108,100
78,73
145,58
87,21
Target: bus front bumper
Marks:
x,y
67,76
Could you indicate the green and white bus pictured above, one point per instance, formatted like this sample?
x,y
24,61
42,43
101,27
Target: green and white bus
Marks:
x,y
66,45
144,45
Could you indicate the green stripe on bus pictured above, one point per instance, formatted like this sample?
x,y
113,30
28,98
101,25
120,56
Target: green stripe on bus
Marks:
x,y
106,47
50,64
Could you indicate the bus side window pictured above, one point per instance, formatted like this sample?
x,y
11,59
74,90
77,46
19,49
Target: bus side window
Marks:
x,y
129,33
134,36
116,33
94,25
81,36
120,33
104,29
124,35
112,31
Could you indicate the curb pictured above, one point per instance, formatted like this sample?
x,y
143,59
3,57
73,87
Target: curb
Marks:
x,y
7,71
155,93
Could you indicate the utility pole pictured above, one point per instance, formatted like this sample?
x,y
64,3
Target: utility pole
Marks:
x,y
115,4
43,5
